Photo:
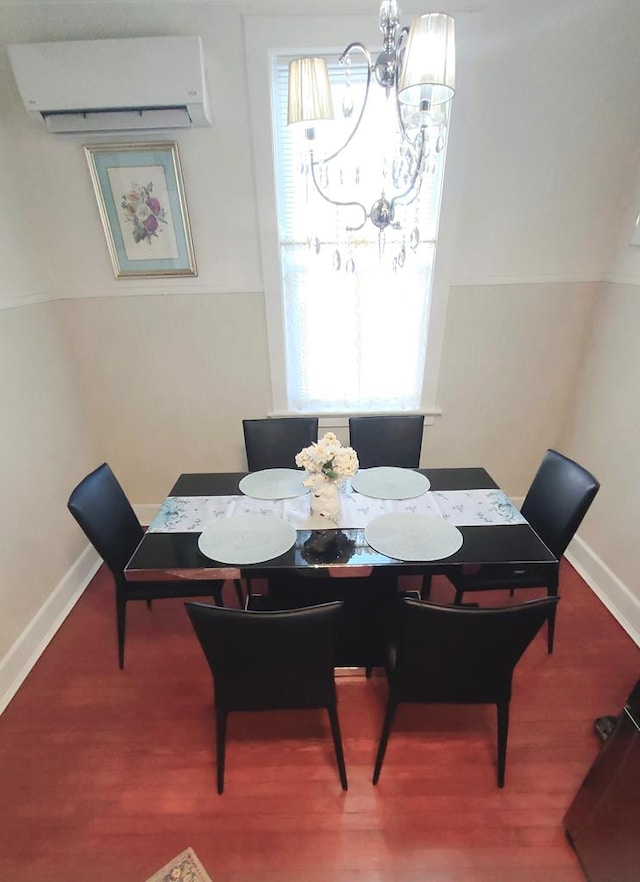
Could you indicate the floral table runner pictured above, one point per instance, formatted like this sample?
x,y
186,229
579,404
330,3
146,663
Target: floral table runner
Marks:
x,y
463,508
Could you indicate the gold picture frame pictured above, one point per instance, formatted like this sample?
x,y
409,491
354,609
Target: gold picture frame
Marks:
x,y
141,199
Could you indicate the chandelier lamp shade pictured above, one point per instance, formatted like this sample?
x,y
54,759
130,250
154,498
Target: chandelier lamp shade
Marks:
x,y
309,91
416,68
428,74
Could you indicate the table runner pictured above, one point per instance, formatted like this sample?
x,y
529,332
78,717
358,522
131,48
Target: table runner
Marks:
x,y
463,508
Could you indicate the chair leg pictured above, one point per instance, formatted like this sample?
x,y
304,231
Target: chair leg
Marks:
x,y
239,595
367,671
390,713
221,735
425,589
148,604
551,628
458,598
121,621
217,598
337,743
503,730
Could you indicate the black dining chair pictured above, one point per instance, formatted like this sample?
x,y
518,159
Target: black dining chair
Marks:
x,y
387,440
107,519
556,502
270,661
455,655
274,443
390,441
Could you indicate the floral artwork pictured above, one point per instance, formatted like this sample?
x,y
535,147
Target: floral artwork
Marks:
x,y
143,211
143,208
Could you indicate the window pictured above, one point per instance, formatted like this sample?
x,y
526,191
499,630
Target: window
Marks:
x,y
355,306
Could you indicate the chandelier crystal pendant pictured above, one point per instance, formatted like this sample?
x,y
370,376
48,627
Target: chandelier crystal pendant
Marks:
x,y
416,69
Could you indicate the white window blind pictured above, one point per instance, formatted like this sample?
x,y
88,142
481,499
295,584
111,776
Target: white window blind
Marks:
x,y
356,306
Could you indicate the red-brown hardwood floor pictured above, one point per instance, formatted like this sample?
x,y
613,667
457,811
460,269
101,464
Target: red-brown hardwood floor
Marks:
x,y
107,774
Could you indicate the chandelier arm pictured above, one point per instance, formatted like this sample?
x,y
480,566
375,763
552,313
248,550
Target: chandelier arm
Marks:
x,y
399,47
403,129
416,191
417,176
362,48
312,165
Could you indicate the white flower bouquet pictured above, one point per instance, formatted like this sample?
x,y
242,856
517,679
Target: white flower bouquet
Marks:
x,y
329,458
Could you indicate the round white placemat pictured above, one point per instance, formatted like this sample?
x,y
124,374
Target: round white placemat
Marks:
x,y
274,484
247,539
389,482
408,536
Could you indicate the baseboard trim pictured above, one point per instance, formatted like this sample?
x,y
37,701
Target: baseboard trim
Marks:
x,y
25,652
623,605
30,645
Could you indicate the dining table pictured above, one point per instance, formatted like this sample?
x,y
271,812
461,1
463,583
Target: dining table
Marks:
x,y
340,560
173,553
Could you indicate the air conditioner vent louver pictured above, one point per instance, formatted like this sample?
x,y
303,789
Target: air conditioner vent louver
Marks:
x,y
104,85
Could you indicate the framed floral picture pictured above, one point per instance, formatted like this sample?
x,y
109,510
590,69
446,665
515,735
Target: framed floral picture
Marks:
x,y
143,209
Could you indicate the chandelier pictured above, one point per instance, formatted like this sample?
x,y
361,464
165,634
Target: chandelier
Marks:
x,y
416,68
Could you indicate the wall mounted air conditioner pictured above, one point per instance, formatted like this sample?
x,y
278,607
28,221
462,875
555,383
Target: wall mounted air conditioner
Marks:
x,y
135,83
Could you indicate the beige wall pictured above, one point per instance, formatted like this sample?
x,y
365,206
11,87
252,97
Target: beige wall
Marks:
x,y
155,376
43,439
604,431
512,355
166,382
603,426
44,445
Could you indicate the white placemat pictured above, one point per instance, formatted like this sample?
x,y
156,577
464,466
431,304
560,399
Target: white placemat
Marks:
x,y
407,536
247,539
274,484
389,482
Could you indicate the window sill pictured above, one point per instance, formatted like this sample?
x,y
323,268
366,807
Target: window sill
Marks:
x,y
341,420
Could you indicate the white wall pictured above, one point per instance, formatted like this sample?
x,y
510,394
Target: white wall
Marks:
x,y
555,139
155,376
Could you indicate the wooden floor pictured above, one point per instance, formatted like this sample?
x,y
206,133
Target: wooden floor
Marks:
x,y
107,774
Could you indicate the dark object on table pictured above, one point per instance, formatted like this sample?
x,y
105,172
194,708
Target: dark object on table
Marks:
x,y
109,522
274,443
387,440
604,726
452,655
557,501
603,821
270,661
327,546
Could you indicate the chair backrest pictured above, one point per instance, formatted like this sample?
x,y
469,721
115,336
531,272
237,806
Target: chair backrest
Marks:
x,y
106,517
269,660
453,654
387,440
273,443
558,499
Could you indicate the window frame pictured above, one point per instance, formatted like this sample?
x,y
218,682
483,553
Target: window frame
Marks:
x,y
265,40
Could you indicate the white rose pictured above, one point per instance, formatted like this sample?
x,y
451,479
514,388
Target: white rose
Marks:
x,y
143,211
